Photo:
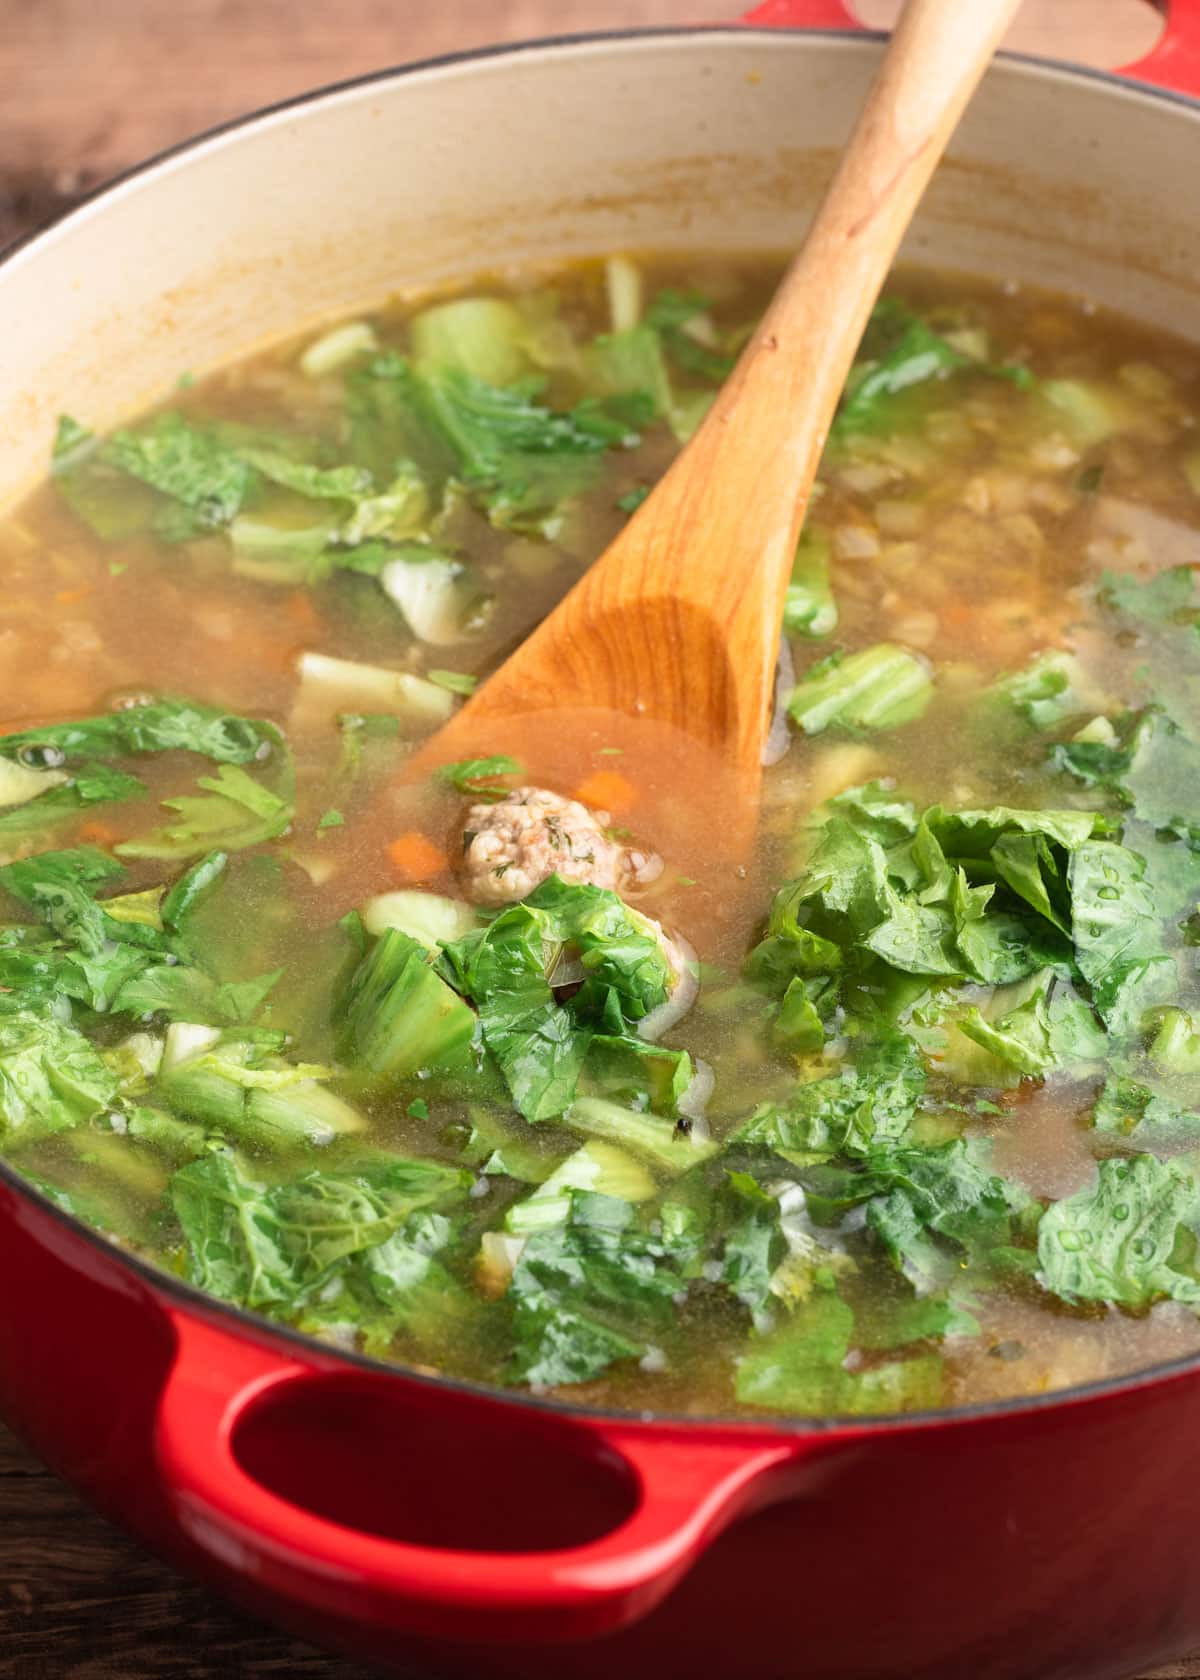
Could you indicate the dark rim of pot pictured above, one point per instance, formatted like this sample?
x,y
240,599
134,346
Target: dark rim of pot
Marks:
x,y
193,1298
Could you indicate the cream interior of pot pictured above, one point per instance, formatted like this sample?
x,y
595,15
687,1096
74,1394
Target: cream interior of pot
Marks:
x,y
711,139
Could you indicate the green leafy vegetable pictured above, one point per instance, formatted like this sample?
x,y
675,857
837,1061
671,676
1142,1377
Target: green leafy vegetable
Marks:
x,y
517,457
113,955
51,1078
879,688
1117,934
241,1090
484,337
903,358
156,726
1169,597
276,1248
801,1367
655,1139
467,772
916,356
598,1168
936,1205
234,811
575,1283
671,314
1135,1109
1149,768
438,594
399,1288
1036,1027
1129,1239
850,1112
1050,689
754,1244
186,464
540,1045
809,608
458,682
397,1018
92,784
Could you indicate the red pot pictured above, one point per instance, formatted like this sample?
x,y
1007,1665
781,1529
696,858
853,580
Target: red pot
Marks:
x,y
411,1520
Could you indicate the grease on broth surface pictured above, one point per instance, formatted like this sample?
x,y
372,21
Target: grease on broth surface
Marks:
x,y
923,1135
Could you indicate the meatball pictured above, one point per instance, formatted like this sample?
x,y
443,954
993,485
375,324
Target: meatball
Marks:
x,y
511,847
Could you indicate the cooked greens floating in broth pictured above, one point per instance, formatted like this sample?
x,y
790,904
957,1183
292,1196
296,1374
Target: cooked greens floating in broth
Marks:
x,y
494,1070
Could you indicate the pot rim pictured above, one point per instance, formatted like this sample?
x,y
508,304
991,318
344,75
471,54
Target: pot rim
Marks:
x,y
189,1296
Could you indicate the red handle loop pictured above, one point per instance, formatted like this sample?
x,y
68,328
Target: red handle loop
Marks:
x,y
803,14
687,1485
1173,63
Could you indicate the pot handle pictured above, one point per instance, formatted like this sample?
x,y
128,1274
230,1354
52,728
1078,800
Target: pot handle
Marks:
x,y
676,1490
1173,63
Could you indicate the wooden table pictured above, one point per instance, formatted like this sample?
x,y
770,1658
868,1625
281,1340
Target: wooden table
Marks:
x,y
90,86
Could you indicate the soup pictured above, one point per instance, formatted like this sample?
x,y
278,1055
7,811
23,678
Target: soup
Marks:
x,y
499,1072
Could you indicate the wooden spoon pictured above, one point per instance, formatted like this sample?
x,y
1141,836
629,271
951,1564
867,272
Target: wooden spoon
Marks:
x,y
677,624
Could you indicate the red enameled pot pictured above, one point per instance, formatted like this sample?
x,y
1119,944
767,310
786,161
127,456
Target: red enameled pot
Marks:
x,y
422,1523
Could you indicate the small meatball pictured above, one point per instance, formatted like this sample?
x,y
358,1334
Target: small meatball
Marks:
x,y
511,847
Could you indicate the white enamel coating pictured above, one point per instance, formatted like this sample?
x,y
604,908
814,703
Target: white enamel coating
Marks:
x,y
709,139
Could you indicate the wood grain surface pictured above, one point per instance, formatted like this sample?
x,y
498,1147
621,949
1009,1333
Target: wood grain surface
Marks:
x,y
91,86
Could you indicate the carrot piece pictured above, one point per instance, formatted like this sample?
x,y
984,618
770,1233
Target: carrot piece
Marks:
x,y
301,611
606,790
68,597
97,833
414,857
957,613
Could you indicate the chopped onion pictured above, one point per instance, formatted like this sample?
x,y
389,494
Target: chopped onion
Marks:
x,y
184,1040
864,478
20,783
898,518
498,1256
779,735
917,629
329,685
694,1102
565,970
331,352
623,281
855,542
644,867
681,999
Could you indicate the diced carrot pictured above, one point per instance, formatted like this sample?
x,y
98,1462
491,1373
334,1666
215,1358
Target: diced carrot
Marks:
x,y
606,790
957,613
68,597
301,611
94,832
264,653
414,857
